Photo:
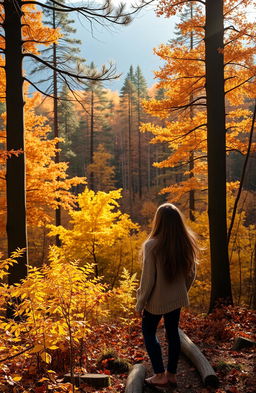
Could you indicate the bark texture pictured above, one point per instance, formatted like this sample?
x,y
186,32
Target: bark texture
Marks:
x,y
15,176
216,140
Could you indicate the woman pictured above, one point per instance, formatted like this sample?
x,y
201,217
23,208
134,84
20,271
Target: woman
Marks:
x,y
169,256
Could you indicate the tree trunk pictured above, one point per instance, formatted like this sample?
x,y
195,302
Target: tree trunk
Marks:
x,y
92,139
130,188
163,169
191,192
149,167
56,125
15,177
139,146
191,155
216,140
253,294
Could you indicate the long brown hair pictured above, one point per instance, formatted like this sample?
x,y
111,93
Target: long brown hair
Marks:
x,y
175,247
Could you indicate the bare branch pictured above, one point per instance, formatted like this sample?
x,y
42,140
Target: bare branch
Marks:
x,y
45,93
242,176
74,95
236,150
37,88
104,12
37,42
187,1
106,74
63,8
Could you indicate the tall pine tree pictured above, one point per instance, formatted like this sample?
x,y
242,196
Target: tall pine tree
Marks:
x,y
96,106
140,94
127,101
63,53
68,122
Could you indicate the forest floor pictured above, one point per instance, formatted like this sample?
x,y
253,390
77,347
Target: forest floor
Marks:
x,y
189,380
214,334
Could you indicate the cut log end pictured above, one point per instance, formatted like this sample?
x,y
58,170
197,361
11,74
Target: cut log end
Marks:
x,y
242,342
211,381
135,380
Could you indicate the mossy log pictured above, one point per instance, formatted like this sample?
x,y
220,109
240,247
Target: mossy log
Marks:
x,y
242,342
193,353
95,380
135,380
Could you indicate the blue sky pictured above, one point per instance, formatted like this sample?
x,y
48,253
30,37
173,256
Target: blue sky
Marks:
x,y
127,45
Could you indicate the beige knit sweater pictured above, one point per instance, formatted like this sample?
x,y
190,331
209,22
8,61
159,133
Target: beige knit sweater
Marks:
x,y
156,293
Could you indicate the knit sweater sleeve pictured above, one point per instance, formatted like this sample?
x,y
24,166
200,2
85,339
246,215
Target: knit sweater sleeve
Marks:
x,y
147,280
191,277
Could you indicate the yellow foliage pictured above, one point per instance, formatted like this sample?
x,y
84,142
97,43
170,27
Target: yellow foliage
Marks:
x,y
182,77
241,251
103,173
98,231
122,302
60,303
45,180
33,30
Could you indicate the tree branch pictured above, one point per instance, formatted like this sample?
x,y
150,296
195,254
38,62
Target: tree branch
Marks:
x,y
240,84
92,13
236,150
74,95
37,88
192,103
188,162
106,74
232,9
37,42
237,64
190,77
187,133
186,1
17,354
184,58
242,176
88,13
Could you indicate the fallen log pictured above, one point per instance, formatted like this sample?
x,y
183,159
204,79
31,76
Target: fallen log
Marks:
x,y
242,342
135,380
95,380
193,353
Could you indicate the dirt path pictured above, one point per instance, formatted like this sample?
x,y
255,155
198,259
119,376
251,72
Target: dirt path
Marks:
x,y
189,380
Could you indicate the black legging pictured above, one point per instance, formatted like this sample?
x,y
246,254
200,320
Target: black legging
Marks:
x,y
149,326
